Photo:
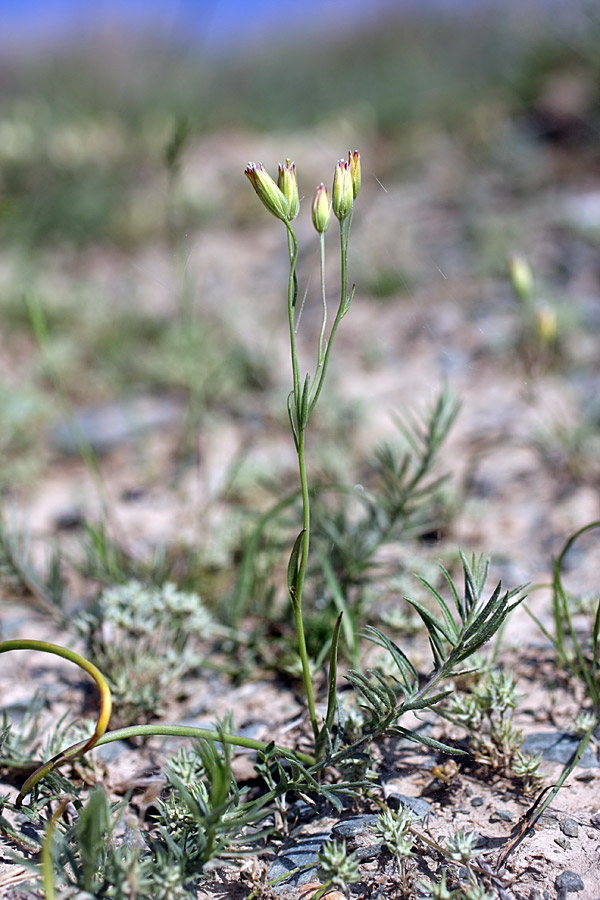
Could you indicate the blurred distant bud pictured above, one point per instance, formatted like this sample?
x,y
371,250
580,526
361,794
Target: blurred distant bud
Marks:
x,y
343,191
521,277
321,209
546,325
270,194
354,162
288,185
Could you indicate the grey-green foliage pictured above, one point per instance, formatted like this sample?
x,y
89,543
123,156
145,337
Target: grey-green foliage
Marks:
x,y
145,639
204,815
19,742
22,743
487,715
97,858
337,867
394,830
456,633
401,503
200,820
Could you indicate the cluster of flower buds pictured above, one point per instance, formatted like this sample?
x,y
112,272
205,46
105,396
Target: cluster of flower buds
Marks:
x,y
281,198
346,185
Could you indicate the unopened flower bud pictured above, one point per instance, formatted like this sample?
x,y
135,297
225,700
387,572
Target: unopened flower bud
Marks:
x,y
343,191
546,325
288,185
354,162
267,191
321,209
521,277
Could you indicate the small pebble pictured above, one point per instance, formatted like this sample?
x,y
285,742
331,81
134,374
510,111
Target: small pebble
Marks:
x,y
501,815
69,519
569,827
569,882
562,842
476,802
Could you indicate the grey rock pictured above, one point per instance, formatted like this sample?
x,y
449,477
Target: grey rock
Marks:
x,y
569,882
300,852
562,842
109,752
559,747
501,815
300,811
476,802
350,828
103,427
569,827
419,806
68,519
365,854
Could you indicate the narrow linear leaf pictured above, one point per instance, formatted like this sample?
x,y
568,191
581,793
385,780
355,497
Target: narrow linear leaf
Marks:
x,y
430,621
292,571
427,741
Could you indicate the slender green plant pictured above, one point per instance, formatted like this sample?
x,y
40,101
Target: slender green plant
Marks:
x,y
282,200
581,658
216,818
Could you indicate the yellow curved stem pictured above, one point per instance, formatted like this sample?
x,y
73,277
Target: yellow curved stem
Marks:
x,y
103,717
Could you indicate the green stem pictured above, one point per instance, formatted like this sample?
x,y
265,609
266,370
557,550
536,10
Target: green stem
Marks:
x,y
341,312
134,731
323,302
191,731
299,592
299,424
292,292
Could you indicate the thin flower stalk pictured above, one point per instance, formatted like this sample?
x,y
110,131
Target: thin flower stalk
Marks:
x,y
282,201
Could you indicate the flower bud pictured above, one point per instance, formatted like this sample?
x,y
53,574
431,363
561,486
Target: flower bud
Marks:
x,y
354,162
267,191
321,209
521,277
288,185
343,191
546,325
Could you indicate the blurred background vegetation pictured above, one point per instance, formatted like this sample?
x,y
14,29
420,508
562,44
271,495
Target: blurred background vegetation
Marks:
x,y
119,150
